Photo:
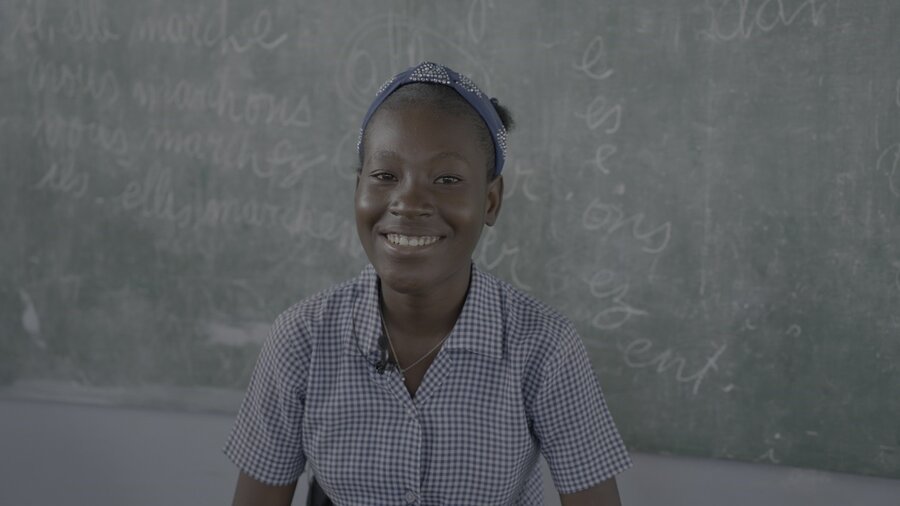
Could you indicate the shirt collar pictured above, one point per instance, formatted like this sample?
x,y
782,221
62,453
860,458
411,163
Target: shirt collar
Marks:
x,y
479,328
365,318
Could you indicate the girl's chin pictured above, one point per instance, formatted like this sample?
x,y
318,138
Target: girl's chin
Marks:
x,y
415,278
405,281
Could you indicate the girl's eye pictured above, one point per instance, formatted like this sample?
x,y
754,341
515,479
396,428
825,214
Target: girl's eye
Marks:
x,y
448,180
383,176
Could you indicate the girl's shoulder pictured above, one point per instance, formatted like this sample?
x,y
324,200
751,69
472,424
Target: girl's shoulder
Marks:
x,y
326,308
526,317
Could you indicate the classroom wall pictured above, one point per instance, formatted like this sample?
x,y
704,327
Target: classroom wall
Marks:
x,y
53,453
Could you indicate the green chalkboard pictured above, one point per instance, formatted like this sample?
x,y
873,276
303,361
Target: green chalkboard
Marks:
x,y
709,189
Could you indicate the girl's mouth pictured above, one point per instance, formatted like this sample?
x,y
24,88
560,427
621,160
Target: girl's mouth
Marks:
x,y
411,241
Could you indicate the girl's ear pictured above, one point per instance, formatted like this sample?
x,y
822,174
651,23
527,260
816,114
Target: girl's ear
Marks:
x,y
494,200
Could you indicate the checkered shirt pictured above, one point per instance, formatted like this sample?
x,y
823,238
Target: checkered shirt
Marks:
x,y
511,381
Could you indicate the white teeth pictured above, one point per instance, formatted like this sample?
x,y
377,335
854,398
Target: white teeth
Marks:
x,y
415,241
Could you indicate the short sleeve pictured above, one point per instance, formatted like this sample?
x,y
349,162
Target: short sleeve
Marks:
x,y
266,439
572,422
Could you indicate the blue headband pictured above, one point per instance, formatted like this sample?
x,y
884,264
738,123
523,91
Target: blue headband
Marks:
x,y
427,72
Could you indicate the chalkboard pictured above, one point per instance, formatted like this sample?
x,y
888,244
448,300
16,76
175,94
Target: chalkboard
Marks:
x,y
709,189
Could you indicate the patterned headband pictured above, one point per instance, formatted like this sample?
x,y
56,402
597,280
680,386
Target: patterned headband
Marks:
x,y
427,72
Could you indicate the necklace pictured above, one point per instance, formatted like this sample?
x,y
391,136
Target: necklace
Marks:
x,y
396,359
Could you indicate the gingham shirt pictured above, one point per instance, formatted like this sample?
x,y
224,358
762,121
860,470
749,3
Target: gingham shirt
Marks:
x,y
512,380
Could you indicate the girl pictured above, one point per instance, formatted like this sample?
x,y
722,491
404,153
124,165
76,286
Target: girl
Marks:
x,y
424,380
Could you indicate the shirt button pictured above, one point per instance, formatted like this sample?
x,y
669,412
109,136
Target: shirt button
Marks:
x,y
410,497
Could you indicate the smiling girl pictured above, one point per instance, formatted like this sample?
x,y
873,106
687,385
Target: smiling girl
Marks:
x,y
425,380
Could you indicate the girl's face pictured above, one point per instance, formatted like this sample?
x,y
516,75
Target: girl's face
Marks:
x,y
422,197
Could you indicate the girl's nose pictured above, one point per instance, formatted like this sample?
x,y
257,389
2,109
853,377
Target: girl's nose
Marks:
x,y
411,199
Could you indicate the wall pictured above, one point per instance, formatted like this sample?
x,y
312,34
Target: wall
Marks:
x,y
54,453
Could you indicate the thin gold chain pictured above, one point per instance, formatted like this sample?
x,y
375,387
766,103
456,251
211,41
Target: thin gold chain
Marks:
x,y
397,357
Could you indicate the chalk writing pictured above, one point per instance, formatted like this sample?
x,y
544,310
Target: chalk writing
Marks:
x,y
322,224
247,212
85,21
255,32
740,19
768,456
604,152
234,151
599,112
615,311
360,75
888,163
197,145
477,18
594,60
525,178
209,29
488,239
794,330
487,255
285,152
603,117
63,178
154,197
556,272
380,40
887,453
610,218
231,152
76,81
639,353
31,321
30,22
252,108
70,133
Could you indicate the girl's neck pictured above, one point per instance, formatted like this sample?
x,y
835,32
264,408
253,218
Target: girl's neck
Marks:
x,y
425,315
